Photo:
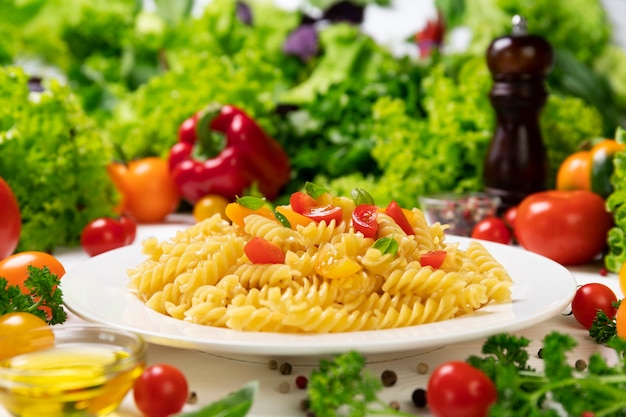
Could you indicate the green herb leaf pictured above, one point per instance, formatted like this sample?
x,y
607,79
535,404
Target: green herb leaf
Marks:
x,y
236,404
314,190
343,387
251,202
361,196
386,245
43,291
603,328
282,219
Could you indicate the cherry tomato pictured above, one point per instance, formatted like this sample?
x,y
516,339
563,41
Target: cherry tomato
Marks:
x,y
433,258
397,214
15,267
104,234
493,229
574,173
160,391
569,227
509,217
19,325
300,201
325,213
589,299
333,265
262,251
209,205
149,191
10,221
364,220
456,389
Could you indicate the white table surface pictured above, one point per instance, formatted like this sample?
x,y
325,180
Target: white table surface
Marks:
x,y
213,377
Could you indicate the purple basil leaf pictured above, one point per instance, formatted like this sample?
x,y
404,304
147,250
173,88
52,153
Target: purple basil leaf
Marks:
x,y
345,11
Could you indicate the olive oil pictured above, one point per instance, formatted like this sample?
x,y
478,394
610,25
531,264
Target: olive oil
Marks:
x,y
71,380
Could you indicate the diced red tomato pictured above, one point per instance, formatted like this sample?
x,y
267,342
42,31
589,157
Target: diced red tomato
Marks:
x,y
364,220
325,213
261,251
301,201
397,214
433,258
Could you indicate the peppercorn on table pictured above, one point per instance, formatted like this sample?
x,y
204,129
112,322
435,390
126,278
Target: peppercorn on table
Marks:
x,y
282,377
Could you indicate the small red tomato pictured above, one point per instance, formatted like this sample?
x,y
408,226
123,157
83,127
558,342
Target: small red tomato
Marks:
x,y
589,299
364,220
161,391
433,258
457,389
10,221
300,201
325,213
493,229
262,251
509,217
569,227
104,234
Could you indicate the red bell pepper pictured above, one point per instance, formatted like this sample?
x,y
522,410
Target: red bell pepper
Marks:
x,y
250,156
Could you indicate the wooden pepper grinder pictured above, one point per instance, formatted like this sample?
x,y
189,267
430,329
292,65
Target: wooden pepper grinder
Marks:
x,y
516,164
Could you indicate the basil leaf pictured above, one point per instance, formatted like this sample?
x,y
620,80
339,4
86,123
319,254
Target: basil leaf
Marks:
x,y
236,404
386,245
251,202
282,219
360,196
315,190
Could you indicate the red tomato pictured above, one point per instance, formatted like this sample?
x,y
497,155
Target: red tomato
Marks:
x,y
161,391
589,299
149,192
104,234
509,217
325,213
433,258
397,214
300,201
456,389
569,227
493,229
364,220
15,267
10,221
261,251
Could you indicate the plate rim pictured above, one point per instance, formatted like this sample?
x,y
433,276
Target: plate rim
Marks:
x,y
326,343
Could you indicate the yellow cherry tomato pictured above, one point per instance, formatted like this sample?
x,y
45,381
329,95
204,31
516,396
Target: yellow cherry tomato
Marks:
x,y
209,205
18,334
333,265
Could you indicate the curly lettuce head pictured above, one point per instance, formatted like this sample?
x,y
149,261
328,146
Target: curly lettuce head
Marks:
x,y
54,159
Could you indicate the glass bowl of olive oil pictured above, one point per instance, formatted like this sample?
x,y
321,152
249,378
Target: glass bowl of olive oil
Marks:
x,y
72,370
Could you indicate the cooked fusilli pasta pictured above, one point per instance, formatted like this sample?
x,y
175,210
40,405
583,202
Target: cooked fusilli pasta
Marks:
x,y
332,279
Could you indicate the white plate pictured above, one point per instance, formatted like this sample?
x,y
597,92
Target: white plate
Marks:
x,y
96,291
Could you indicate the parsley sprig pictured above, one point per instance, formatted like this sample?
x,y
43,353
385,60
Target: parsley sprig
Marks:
x,y
42,291
559,389
604,328
342,387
